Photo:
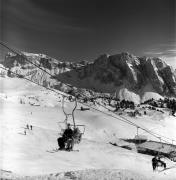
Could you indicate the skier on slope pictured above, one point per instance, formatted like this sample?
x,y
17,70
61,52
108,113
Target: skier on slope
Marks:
x,y
154,163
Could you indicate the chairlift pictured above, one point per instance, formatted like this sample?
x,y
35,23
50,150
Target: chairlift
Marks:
x,y
67,115
78,129
138,137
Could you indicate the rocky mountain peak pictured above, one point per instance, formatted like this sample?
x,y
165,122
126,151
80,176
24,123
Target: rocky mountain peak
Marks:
x,y
160,64
108,73
124,70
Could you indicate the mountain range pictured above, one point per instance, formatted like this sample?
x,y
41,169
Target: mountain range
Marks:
x,y
122,75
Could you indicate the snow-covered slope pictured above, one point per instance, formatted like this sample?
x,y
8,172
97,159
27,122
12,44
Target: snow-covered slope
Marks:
x,y
23,103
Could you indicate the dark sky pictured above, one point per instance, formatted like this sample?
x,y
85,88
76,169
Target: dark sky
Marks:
x,y
83,29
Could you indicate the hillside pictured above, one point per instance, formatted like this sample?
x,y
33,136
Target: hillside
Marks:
x,y
29,155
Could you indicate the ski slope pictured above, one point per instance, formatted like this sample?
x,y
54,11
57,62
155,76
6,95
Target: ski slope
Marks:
x,y
23,103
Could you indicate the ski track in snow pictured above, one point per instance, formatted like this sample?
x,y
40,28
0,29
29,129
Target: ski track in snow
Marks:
x,y
26,155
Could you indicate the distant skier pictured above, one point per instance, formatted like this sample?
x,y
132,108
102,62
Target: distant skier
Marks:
x,y
31,127
157,162
24,132
27,126
154,163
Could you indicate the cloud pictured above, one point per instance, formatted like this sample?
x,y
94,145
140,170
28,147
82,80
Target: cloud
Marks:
x,y
153,52
29,16
169,53
172,50
170,60
166,51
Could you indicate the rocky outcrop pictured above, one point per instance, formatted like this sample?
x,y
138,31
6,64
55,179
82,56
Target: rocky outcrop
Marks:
x,y
169,78
152,73
127,64
12,60
114,69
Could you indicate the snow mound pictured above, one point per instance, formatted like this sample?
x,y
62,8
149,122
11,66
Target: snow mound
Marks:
x,y
124,93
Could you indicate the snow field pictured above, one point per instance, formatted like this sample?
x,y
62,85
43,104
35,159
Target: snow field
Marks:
x,y
27,154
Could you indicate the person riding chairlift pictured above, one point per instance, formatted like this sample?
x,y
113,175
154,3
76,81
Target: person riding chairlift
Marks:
x,y
66,141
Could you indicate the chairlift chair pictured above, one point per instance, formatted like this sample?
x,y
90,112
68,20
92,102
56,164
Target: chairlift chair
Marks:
x,y
78,129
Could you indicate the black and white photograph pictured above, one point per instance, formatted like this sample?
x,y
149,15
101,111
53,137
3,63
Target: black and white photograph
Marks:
x,y
88,89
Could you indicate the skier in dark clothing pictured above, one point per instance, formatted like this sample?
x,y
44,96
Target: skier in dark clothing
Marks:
x,y
157,162
154,163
